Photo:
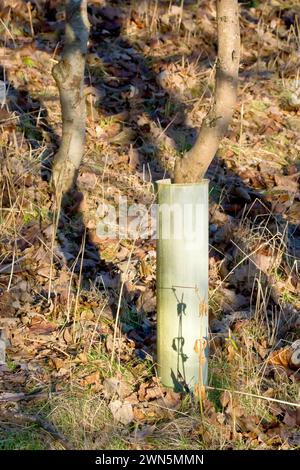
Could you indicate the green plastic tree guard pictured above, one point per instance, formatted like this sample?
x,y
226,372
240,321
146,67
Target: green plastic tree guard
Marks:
x,y
182,285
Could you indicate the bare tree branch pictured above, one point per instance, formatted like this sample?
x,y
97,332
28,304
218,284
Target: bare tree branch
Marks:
x,y
192,167
69,76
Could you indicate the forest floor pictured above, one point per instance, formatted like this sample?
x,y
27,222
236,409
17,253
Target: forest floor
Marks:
x,y
73,376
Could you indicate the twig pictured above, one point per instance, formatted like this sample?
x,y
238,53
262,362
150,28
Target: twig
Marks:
x,y
13,397
20,418
15,266
9,33
253,395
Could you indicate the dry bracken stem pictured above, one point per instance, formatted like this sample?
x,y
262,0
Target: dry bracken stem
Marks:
x,y
54,231
79,280
192,167
9,182
69,299
30,18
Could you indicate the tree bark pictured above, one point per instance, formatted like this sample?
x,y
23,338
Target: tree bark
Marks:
x,y
193,165
69,77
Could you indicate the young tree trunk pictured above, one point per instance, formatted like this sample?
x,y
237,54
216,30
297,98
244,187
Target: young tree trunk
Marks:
x,y
192,167
69,77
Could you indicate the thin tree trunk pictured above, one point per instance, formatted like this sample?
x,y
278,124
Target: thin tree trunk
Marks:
x,y
69,77
193,165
